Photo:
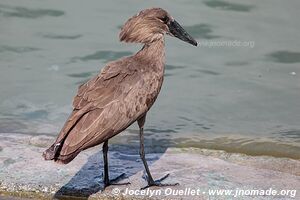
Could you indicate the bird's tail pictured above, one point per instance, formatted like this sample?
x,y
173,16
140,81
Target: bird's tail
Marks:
x,y
53,153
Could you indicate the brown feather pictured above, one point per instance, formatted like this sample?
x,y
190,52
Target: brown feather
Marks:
x,y
111,101
122,93
145,27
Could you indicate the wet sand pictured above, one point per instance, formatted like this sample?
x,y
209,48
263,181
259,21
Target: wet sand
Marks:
x,y
25,174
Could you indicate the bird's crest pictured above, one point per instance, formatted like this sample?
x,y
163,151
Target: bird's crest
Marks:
x,y
145,27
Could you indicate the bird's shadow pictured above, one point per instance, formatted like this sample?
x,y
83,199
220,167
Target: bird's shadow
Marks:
x,y
121,159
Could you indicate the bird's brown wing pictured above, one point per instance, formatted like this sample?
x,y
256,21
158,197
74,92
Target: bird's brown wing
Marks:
x,y
103,107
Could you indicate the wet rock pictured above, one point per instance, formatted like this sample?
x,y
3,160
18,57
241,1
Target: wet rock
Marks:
x,y
23,172
8,162
41,141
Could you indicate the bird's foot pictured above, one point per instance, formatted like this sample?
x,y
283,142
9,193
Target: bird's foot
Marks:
x,y
115,181
158,183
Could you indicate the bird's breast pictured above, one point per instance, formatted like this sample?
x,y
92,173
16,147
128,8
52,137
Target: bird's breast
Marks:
x,y
143,92
150,87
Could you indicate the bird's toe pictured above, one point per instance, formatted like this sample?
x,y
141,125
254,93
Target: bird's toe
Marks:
x,y
158,183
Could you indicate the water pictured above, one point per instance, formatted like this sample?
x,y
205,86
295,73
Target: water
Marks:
x,y
239,99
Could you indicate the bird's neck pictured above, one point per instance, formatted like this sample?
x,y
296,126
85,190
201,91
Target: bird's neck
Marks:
x,y
153,53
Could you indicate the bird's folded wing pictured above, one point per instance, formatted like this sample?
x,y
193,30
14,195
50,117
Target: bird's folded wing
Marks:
x,y
103,107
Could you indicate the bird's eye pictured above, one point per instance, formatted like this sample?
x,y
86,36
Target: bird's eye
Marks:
x,y
165,19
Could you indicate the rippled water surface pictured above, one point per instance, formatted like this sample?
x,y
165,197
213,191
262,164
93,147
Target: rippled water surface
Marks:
x,y
240,99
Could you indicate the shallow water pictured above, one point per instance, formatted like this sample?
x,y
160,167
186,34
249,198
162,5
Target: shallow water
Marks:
x,y
241,99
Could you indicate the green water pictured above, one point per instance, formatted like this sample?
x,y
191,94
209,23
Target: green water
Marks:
x,y
240,99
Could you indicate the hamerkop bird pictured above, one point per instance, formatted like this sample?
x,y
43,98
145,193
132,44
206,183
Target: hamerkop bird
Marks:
x,y
122,93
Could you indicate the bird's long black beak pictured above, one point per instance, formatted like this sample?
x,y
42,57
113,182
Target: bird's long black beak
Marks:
x,y
177,31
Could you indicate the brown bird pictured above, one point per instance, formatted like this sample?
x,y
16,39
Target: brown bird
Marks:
x,y
121,94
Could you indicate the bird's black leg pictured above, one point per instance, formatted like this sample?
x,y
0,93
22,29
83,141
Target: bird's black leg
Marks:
x,y
108,182
151,181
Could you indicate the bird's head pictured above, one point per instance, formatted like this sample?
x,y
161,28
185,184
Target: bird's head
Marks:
x,y
152,24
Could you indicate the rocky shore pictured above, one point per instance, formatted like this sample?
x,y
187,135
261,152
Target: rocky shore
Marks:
x,y
24,173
